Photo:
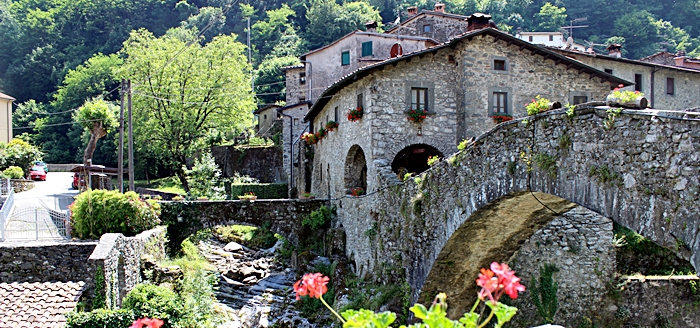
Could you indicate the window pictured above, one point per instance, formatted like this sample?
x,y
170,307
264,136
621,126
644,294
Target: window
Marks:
x,y
296,121
360,101
529,38
302,78
499,65
670,86
345,58
551,37
302,99
419,98
336,114
265,116
580,100
609,71
426,28
638,82
366,49
500,103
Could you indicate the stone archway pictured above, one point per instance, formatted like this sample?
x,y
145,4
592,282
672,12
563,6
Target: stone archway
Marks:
x,y
355,169
413,159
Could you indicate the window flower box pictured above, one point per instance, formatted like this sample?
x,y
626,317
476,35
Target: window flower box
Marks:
x,y
500,118
416,115
626,98
355,115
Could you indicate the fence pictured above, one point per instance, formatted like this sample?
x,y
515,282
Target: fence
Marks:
x,y
34,223
8,202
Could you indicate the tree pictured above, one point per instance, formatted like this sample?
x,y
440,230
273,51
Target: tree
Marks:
x,y
329,21
269,79
551,18
98,117
182,90
639,32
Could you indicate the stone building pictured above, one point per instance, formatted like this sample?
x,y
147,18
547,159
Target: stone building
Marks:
x,y
461,84
665,86
267,117
293,158
6,117
435,24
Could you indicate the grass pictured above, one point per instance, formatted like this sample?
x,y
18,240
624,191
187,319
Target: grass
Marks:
x,y
169,184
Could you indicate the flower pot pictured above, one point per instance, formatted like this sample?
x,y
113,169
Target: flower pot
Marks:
x,y
306,197
640,102
247,198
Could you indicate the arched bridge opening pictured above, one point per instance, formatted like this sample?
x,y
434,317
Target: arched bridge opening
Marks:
x,y
413,159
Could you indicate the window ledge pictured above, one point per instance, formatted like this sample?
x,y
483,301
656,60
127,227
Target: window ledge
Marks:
x,y
430,112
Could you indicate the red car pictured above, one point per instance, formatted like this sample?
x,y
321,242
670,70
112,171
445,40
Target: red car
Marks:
x,y
37,173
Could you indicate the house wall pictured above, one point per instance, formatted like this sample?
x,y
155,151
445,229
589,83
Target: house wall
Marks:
x,y
293,142
5,120
265,120
459,93
296,92
442,28
326,64
687,84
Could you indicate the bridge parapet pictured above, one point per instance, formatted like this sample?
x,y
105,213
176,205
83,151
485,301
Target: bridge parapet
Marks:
x,y
637,167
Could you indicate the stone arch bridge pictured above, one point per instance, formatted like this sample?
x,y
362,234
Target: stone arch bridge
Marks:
x,y
640,168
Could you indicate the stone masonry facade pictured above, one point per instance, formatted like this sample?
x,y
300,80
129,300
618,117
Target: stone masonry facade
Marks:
x,y
441,26
639,168
459,81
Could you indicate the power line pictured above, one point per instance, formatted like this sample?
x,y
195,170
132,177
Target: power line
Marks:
x,y
45,125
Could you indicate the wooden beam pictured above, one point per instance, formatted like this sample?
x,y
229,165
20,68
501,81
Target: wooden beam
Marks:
x,y
434,52
408,60
522,46
557,61
569,66
496,38
421,55
509,43
545,57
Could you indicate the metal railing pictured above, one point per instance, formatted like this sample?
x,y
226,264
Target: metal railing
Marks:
x,y
35,223
7,204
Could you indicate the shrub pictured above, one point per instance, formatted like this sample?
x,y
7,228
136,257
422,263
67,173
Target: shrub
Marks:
x,y
151,301
204,178
18,152
13,172
100,318
318,219
96,212
262,190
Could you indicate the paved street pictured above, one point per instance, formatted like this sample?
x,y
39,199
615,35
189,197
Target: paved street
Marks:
x,y
55,193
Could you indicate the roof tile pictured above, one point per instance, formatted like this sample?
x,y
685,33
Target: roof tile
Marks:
x,y
37,304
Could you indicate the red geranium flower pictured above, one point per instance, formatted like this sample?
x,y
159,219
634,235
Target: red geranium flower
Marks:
x,y
488,284
312,285
146,322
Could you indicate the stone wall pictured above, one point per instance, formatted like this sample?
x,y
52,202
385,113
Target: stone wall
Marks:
x,y
639,169
46,262
282,216
659,302
20,185
458,105
264,163
579,245
442,28
120,259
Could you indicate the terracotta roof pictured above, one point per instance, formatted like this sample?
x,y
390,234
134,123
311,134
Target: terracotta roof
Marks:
x,y
4,96
38,304
292,67
660,53
625,60
307,103
258,111
429,12
499,35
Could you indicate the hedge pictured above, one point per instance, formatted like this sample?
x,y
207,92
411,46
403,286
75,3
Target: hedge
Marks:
x,y
96,212
100,318
262,190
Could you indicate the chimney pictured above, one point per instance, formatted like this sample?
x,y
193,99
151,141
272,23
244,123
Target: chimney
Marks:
x,y
440,7
371,26
478,21
412,11
614,50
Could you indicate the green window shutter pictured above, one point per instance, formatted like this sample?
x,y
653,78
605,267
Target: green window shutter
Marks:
x,y
367,48
345,58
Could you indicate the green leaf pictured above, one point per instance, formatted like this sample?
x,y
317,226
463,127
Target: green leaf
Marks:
x,y
367,319
420,311
470,320
503,312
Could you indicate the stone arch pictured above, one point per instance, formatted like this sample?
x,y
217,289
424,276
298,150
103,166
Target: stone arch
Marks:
x,y
413,159
355,169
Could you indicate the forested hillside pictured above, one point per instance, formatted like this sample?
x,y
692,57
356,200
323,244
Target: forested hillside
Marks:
x,y
56,54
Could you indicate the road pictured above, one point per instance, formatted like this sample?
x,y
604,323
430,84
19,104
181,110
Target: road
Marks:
x,y
55,193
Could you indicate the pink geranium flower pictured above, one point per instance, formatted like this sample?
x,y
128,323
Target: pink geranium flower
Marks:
x,y
146,322
312,285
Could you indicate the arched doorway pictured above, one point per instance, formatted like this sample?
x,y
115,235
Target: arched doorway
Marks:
x,y
355,169
413,159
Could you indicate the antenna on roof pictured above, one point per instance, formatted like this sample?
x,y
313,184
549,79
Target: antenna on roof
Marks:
x,y
571,27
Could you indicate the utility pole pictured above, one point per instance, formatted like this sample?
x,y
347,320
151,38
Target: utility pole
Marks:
x,y
131,141
120,159
250,60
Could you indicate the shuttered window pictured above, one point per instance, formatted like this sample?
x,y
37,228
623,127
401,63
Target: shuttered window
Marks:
x,y
670,86
345,58
366,48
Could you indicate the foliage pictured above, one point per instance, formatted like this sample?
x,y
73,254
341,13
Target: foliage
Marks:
x,y
153,301
550,18
269,83
182,98
432,160
544,295
99,301
19,153
13,172
355,114
329,21
310,138
100,318
205,179
98,117
357,191
620,96
331,125
417,116
96,212
168,184
463,144
253,237
537,105
262,190
609,121
319,218
546,163
605,175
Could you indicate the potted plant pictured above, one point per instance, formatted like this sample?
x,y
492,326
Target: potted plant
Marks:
x,y
249,196
626,98
500,118
539,105
355,115
310,138
416,115
357,191
307,195
331,125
